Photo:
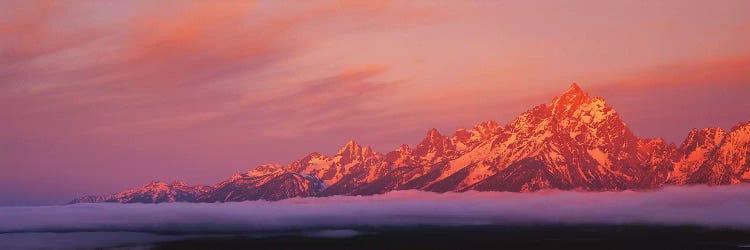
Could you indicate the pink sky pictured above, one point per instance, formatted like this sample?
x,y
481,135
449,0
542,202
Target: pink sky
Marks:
x,y
98,96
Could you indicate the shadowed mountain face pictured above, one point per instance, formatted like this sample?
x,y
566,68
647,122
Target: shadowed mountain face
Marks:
x,y
575,142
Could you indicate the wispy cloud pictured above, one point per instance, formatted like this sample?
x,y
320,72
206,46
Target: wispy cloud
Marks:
x,y
715,72
169,67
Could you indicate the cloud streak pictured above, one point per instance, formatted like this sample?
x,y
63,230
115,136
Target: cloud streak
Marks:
x,y
175,69
733,70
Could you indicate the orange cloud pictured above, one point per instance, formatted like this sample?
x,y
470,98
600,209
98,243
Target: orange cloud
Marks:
x,y
733,70
321,104
200,25
196,64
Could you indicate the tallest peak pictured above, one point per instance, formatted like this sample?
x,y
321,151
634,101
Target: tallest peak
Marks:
x,y
573,91
574,88
570,100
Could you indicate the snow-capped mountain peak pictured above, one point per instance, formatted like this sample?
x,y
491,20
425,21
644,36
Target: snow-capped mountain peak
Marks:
x,y
575,142
399,157
487,128
266,169
433,134
351,147
570,100
152,192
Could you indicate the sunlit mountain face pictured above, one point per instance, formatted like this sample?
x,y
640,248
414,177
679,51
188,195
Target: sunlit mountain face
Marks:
x,y
374,124
575,142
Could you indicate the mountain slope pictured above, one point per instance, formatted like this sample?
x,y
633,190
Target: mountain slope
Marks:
x,y
574,142
154,192
267,182
708,162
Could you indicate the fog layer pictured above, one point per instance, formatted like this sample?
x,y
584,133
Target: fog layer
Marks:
x,y
725,206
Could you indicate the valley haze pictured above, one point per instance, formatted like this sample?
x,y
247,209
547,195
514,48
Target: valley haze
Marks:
x,y
722,210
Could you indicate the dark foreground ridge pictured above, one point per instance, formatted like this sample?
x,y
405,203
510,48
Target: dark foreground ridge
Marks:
x,y
530,237
574,142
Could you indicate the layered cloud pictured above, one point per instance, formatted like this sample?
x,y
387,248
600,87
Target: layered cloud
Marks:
x,y
200,59
733,70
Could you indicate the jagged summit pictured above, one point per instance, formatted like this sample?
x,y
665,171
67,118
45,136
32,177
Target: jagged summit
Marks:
x,y
487,126
158,184
433,133
575,142
570,100
178,183
744,126
152,192
350,146
573,88
354,151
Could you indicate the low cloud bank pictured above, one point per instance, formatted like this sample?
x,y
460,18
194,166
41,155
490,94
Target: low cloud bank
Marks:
x,y
725,206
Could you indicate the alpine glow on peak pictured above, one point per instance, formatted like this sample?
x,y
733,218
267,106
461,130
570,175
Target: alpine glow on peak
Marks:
x,y
575,142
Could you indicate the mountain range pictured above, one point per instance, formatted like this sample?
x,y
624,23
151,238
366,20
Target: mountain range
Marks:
x,y
574,142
